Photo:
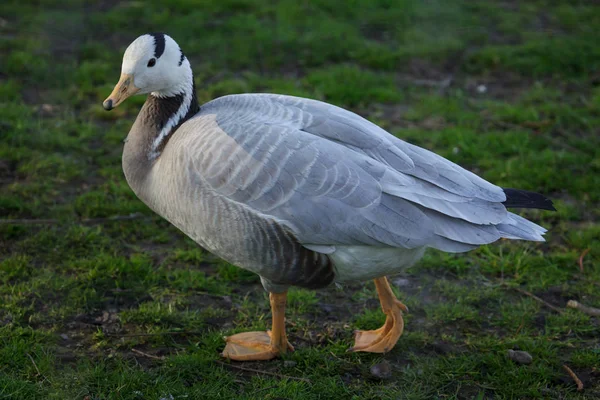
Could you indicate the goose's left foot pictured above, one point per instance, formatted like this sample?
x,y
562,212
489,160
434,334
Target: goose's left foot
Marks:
x,y
255,346
383,339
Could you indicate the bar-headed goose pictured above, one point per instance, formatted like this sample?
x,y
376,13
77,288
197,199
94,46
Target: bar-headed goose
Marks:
x,y
301,192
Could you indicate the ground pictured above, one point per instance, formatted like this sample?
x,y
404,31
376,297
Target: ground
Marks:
x,y
102,299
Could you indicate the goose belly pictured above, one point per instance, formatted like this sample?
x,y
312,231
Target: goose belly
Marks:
x,y
220,227
360,263
234,233
231,232
238,235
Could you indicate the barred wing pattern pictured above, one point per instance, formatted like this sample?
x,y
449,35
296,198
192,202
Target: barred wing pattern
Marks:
x,y
334,178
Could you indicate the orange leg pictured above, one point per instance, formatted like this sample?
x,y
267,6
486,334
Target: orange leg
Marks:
x,y
383,339
251,346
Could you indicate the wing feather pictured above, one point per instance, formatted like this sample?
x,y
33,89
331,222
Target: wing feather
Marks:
x,y
335,178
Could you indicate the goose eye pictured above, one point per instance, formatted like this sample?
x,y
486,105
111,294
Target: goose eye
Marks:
x,y
152,62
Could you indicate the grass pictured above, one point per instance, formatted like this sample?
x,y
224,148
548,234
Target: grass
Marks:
x,y
509,91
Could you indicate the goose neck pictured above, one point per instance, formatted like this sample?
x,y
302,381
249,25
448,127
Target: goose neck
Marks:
x,y
165,114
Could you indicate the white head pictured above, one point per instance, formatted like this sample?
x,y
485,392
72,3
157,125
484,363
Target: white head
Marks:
x,y
153,63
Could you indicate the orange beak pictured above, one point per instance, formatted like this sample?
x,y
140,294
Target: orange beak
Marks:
x,y
123,89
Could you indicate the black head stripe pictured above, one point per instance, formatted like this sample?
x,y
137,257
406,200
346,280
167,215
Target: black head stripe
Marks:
x,y
159,44
182,57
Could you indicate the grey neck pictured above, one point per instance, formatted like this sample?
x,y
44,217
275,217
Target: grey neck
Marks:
x,y
154,126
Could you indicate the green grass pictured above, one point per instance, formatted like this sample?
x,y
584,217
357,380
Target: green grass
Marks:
x,y
509,91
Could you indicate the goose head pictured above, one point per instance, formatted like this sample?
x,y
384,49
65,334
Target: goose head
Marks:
x,y
153,63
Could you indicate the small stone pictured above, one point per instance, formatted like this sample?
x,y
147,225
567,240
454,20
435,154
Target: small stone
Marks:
x,y
289,364
401,282
520,357
47,110
328,308
64,336
442,348
481,89
383,370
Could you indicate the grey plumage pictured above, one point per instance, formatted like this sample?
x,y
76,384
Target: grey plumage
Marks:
x,y
317,163
284,186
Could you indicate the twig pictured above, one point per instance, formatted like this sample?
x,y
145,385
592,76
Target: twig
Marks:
x,y
36,367
257,371
298,337
342,360
50,221
214,296
533,296
141,353
116,218
34,364
575,377
119,290
28,221
594,312
152,334
581,259
444,83
520,327
263,389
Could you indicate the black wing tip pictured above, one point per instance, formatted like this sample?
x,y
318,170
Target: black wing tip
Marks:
x,y
517,198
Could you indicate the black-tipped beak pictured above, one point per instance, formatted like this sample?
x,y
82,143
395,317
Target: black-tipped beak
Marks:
x,y
108,104
122,90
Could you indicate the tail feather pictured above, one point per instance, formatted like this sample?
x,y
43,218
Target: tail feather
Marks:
x,y
518,227
516,198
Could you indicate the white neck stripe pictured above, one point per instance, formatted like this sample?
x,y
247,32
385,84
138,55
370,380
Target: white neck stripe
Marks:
x,y
171,123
